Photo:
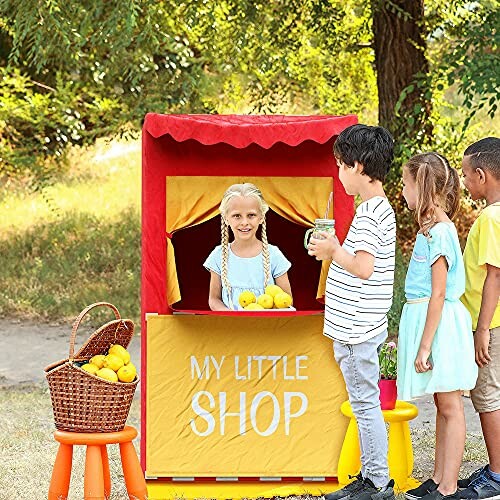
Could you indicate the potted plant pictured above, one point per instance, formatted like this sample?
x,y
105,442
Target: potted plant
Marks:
x,y
388,374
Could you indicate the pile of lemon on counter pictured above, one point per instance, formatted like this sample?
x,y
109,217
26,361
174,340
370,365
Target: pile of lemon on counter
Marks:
x,y
114,366
273,298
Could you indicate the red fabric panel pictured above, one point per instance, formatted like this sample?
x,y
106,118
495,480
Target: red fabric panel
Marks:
x,y
193,158
240,131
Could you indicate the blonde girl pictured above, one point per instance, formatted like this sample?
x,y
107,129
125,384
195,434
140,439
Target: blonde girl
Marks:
x,y
245,263
436,348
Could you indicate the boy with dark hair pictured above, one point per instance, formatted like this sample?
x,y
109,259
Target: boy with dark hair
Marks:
x,y
358,296
481,176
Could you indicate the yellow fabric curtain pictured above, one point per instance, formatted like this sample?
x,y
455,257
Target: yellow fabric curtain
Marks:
x,y
193,200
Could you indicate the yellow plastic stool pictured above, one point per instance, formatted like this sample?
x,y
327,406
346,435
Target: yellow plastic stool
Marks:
x,y
400,453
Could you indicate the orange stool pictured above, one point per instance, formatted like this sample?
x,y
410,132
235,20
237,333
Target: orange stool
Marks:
x,y
97,482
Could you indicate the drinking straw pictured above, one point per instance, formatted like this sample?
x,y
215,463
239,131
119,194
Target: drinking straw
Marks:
x,y
328,206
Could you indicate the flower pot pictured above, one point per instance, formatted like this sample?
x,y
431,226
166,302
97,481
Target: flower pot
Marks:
x,y
388,394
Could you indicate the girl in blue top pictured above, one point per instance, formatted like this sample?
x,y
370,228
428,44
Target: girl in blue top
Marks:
x,y
436,347
246,263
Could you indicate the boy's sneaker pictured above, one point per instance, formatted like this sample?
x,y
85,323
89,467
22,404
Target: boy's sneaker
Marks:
x,y
437,495
345,492
465,483
482,487
365,490
424,489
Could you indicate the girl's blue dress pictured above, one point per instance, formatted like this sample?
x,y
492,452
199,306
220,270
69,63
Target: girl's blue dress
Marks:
x,y
452,352
246,273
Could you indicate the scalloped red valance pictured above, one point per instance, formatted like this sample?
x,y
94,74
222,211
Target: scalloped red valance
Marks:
x,y
240,131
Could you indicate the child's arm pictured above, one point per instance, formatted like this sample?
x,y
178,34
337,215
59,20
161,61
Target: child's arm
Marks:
x,y
215,294
361,264
489,302
284,283
439,272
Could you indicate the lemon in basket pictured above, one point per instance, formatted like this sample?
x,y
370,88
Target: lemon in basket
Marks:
x,y
97,360
113,362
121,352
107,374
127,373
91,368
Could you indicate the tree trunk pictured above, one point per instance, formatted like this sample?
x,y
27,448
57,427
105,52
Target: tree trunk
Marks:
x,y
399,41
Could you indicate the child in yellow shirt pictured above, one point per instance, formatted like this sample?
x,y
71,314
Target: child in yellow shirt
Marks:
x,y
481,176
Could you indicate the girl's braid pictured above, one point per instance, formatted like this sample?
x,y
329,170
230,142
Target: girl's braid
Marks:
x,y
265,254
225,250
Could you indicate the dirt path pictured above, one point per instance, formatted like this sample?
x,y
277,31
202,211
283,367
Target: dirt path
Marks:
x,y
26,348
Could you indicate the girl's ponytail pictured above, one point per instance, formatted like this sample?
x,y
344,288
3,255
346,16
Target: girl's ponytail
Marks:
x,y
224,259
426,195
453,194
265,254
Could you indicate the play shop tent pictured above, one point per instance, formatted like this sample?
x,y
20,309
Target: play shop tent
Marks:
x,y
236,396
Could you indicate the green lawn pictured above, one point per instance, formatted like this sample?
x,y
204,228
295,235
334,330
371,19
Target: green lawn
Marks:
x,y
77,241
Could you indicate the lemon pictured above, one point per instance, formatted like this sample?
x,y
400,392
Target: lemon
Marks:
x,y
113,361
265,300
97,360
246,297
273,290
90,367
283,300
107,374
254,307
121,352
127,373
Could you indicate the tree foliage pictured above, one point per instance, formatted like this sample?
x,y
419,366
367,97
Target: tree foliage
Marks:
x,y
77,70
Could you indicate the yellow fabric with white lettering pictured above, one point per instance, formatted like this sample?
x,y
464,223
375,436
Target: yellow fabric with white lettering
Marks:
x,y
242,396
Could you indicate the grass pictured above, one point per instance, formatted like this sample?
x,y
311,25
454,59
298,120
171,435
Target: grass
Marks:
x,y
76,242
27,449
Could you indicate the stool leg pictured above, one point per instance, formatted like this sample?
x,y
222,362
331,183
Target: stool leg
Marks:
x,y
409,447
398,454
93,488
61,474
105,471
350,455
132,472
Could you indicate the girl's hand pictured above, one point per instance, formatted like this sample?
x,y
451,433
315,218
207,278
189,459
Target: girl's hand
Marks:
x,y
323,249
422,363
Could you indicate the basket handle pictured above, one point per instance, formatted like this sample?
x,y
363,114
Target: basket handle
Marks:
x,y
78,320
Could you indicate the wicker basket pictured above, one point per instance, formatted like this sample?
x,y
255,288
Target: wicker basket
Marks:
x,y
83,402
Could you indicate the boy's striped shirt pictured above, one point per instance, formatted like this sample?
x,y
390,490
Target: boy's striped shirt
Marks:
x,y
356,309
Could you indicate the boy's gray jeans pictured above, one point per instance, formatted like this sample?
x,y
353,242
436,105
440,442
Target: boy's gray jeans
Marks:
x,y
360,367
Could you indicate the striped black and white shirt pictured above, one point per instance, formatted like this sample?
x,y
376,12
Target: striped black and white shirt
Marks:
x,y
356,309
